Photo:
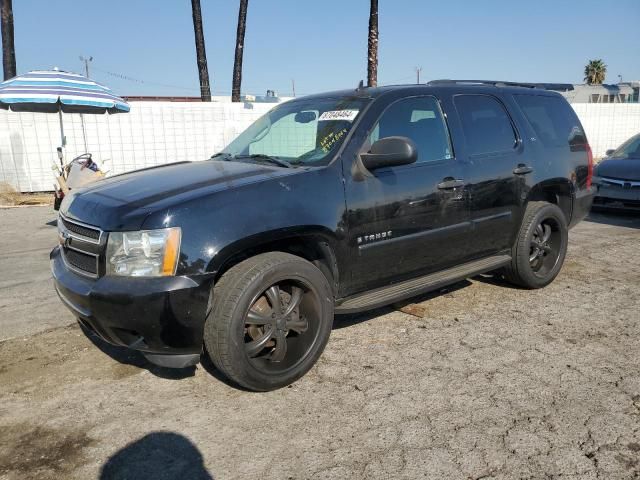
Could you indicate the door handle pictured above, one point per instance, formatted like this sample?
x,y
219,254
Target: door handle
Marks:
x,y
450,183
522,169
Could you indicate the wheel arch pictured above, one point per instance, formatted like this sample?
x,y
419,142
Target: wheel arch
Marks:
x,y
558,191
314,244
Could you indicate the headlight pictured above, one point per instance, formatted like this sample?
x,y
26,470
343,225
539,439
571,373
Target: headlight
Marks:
x,y
147,253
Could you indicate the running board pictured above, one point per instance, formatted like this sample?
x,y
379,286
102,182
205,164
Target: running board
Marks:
x,y
417,286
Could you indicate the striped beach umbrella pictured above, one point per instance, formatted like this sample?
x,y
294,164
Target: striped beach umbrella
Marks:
x,y
55,91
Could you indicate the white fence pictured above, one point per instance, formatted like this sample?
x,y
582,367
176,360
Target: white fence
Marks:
x,y
155,133
608,125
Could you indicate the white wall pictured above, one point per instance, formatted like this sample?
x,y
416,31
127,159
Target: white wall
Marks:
x,y
155,133
608,125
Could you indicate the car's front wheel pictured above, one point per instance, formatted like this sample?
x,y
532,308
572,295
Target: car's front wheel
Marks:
x,y
540,248
271,319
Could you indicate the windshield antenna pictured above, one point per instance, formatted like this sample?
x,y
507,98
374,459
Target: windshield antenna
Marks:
x,y
360,86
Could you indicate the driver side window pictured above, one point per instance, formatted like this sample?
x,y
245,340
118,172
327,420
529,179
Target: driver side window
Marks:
x,y
421,120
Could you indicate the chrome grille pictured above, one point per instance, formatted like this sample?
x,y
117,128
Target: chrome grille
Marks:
x,y
615,182
80,230
81,246
82,261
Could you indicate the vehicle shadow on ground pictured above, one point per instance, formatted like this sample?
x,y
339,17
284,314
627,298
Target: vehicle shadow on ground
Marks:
x,y
210,368
166,455
351,319
52,223
497,280
132,357
616,218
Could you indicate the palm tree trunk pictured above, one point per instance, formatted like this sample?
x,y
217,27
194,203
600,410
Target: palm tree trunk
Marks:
x,y
8,47
201,54
372,54
237,64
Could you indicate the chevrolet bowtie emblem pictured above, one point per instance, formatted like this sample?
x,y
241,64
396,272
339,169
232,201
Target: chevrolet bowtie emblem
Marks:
x,y
64,239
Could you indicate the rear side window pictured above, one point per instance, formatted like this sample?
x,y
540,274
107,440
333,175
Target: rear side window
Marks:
x,y
553,120
486,124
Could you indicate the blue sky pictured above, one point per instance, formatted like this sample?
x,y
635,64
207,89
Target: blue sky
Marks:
x,y
322,44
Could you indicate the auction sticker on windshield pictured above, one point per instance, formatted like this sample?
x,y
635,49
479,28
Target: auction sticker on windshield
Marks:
x,y
348,115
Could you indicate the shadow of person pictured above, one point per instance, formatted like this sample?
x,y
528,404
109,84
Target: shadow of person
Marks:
x,y
157,456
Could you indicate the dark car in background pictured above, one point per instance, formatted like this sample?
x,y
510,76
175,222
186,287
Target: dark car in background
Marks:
x,y
339,202
617,177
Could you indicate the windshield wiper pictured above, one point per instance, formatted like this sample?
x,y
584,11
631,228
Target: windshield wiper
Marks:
x,y
267,158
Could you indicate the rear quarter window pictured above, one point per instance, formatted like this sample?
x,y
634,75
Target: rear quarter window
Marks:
x,y
552,119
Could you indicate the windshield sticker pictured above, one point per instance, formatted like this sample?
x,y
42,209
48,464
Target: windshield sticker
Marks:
x,y
348,115
330,140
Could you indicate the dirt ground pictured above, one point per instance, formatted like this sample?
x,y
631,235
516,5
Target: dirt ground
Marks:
x,y
10,197
493,382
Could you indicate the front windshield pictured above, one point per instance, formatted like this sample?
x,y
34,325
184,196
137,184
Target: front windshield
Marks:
x,y
629,149
299,132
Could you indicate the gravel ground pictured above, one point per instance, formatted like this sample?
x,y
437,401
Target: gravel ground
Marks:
x,y
493,382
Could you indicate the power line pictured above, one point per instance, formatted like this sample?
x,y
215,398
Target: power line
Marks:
x,y
122,76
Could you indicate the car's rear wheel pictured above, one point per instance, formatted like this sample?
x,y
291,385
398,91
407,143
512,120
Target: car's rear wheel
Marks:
x,y
270,321
540,248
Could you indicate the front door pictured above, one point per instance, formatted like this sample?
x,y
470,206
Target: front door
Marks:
x,y
408,219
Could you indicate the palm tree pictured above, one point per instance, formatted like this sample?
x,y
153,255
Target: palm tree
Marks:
x,y
237,64
201,54
372,53
594,72
8,47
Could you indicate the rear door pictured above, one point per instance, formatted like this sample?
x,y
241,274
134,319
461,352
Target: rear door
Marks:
x,y
493,155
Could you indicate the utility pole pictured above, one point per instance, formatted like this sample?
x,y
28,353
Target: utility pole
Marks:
x,y
86,61
418,70
293,87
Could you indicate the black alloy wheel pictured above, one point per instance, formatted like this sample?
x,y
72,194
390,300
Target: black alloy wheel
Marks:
x,y
545,246
281,325
540,248
271,319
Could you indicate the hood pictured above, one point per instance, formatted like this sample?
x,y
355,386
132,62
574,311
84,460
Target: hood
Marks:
x,y
619,168
122,202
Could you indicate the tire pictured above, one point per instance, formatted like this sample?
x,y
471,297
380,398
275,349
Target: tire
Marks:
x,y
541,246
249,341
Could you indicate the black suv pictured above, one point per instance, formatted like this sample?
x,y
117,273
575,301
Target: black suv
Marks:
x,y
327,204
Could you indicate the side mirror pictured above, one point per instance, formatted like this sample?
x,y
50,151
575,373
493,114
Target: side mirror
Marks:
x,y
610,152
390,152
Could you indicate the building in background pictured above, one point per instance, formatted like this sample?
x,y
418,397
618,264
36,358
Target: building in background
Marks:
x,y
625,92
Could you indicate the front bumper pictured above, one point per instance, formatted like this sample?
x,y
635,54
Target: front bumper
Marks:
x,y
618,196
158,316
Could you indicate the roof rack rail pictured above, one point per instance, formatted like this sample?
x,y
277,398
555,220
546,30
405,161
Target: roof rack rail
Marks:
x,y
501,83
